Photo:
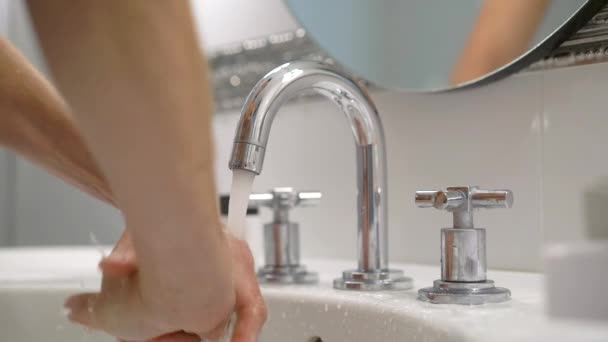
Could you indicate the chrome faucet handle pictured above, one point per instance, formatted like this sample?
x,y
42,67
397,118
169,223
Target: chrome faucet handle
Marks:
x,y
282,237
462,200
463,247
285,198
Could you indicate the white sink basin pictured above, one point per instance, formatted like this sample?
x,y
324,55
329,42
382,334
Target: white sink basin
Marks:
x,y
35,282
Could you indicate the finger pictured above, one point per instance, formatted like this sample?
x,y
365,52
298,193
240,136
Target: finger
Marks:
x,y
81,309
117,268
250,307
251,319
251,311
219,332
125,247
122,261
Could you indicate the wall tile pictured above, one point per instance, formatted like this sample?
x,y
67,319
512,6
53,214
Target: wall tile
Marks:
x,y
7,198
50,212
575,160
484,137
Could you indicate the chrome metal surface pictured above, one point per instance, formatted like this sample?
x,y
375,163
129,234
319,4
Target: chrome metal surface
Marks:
x,y
462,200
464,293
281,244
282,237
287,275
373,281
463,247
248,157
292,79
463,254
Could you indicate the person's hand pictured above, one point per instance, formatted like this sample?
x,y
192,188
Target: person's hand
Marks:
x,y
250,306
133,308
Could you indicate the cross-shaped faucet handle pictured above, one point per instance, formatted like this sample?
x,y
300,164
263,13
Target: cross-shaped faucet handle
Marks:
x,y
461,200
281,200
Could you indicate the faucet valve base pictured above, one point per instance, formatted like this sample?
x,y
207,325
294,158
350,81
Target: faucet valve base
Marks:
x,y
464,293
373,281
287,275
282,237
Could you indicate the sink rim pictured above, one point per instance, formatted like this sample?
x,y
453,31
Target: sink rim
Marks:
x,y
78,271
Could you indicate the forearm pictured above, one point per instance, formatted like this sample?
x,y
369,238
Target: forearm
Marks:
x,y
35,122
133,74
495,41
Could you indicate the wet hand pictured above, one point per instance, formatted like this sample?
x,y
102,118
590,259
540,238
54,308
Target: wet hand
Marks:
x,y
250,308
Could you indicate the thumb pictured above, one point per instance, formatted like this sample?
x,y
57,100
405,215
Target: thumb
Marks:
x,y
81,309
122,261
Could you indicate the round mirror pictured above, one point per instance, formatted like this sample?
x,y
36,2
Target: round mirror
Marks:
x,y
432,45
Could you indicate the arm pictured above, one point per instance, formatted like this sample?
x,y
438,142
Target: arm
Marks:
x,y
502,33
133,75
136,81
36,123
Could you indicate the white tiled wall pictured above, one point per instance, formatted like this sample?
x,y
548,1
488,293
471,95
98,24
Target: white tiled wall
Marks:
x,y
540,134
575,160
7,196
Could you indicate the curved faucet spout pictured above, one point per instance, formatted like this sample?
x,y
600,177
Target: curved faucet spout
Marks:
x,y
288,80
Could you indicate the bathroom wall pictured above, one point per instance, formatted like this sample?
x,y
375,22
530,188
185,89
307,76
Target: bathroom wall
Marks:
x,y
540,134
575,154
7,192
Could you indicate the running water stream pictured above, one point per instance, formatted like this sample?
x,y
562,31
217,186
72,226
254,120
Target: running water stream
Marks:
x,y
242,181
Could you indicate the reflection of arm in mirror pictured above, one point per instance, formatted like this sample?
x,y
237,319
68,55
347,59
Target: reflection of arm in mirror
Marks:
x,y
503,32
135,79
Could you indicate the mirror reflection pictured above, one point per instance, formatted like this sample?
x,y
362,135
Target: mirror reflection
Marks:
x,y
422,45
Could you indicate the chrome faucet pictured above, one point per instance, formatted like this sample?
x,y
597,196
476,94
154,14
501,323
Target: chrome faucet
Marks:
x,y
251,139
463,247
282,236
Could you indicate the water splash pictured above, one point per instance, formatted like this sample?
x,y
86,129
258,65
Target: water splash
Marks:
x,y
97,245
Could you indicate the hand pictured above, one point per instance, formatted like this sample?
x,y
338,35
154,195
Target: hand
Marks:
x,y
250,307
133,308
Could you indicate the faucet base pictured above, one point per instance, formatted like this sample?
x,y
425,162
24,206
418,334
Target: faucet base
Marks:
x,y
474,293
286,275
373,281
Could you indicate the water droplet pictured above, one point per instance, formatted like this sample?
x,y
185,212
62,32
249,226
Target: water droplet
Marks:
x,y
96,243
284,315
345,313
326,307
